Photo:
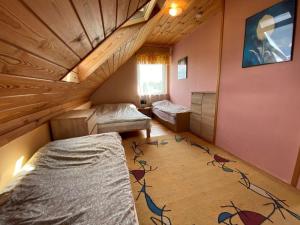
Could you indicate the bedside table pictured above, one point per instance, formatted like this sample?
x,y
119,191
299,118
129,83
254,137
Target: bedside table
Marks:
x,y
146,111
75,123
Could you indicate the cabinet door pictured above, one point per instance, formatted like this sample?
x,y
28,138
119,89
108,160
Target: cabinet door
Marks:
x,y
195,121
208,116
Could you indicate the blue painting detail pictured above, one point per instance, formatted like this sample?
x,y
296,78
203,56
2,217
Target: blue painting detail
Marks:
x,y
269,35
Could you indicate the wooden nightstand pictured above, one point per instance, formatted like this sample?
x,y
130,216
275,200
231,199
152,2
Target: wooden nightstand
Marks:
x,y
75,123
146,111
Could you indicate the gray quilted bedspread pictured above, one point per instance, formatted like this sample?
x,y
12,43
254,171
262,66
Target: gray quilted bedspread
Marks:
x,y
75,181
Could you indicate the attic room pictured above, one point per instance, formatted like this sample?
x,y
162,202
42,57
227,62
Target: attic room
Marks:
x,y
140,112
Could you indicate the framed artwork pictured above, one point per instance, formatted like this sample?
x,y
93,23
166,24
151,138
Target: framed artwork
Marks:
x,y
269,35
182,68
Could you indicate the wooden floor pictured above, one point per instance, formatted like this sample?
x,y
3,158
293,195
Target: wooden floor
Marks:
x,y
157,129
184,180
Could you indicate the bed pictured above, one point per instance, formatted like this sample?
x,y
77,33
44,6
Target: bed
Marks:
x,y
81,180
175,117
121,118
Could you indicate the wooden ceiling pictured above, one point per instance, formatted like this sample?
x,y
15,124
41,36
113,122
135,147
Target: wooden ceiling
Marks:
x,y
43,40
170,30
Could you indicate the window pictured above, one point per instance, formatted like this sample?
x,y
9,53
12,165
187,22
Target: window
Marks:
x,y
152,79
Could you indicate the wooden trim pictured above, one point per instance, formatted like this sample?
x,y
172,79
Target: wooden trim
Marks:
x,y
219,71
296,174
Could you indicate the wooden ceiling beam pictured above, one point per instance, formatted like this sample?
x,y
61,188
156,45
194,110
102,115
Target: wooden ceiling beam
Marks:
x,y
108,47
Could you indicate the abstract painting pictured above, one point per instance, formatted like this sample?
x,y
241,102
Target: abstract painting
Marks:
x,y
182,68
269,35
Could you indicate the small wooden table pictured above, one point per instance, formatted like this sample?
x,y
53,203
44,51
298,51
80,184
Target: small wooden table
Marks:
x,y
75,123
146,111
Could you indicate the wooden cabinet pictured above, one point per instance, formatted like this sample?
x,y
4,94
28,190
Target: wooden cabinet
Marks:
x,y
74,123
146,111
202,119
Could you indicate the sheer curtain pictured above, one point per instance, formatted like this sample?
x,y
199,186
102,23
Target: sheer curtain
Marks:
x,y
152,74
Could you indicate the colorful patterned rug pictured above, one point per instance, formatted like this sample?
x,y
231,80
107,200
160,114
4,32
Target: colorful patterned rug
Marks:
x,y
182,180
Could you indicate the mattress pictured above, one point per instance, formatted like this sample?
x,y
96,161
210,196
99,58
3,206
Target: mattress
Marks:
x,y
117,113
81,180
167,110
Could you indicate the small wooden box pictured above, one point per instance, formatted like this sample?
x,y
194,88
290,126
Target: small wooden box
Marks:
x,y
74,123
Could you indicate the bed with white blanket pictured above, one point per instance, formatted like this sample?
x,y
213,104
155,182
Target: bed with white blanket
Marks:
x,y
81,180
120,118
174,116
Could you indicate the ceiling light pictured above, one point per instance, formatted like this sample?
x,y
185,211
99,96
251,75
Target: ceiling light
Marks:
x,y
175,10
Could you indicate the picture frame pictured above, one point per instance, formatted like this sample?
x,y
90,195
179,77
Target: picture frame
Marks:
x,y
182,68
269,35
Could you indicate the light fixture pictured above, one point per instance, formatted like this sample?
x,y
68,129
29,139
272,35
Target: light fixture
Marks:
x,y
175,10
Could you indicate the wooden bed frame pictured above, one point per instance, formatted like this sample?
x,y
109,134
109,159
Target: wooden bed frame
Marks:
x,y
182,122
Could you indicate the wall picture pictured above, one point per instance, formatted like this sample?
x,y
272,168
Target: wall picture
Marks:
x,y
182,68
269,35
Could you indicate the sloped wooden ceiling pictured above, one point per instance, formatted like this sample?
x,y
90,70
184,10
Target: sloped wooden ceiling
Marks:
x,y
170,30
43,40
40,42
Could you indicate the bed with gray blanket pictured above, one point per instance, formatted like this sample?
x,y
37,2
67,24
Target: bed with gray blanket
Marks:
x,y
81,180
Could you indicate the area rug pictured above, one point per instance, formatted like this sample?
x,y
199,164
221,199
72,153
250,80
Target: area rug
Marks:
x,y
182,180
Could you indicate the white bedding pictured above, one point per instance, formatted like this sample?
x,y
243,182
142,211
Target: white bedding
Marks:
x,y
81,180
116,113
167,110
169,107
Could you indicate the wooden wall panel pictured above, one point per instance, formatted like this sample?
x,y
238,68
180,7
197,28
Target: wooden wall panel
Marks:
x,y
109,10
60,16
91,17
16,61
20,126
15,85
33,36
123,6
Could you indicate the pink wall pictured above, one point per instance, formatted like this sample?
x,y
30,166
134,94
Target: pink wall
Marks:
x,y
202,49
259,107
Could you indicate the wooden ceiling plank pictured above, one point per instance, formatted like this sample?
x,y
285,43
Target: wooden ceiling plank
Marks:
x,y
104,51
133,6
142,3
11,85
15,61
61,18
90,15
170,30
116,59
17,112
109,15
111,64
105,68
21,28
123,6
15,101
